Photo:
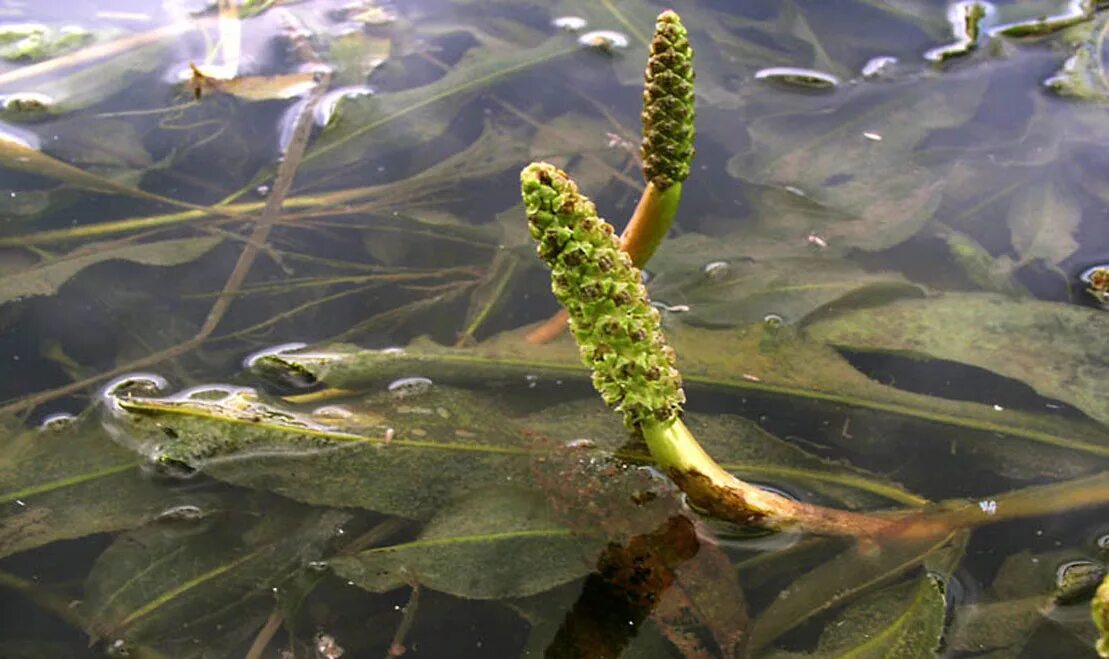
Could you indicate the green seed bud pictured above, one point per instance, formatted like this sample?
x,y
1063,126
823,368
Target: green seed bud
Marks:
x,y
667,147
616,327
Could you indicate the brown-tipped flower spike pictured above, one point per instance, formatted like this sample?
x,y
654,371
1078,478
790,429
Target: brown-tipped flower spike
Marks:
x,y
616,327
667,147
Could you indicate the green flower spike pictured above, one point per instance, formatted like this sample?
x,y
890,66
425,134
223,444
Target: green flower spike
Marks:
x,y
1100,610
616,328
667,149
668,131
619,336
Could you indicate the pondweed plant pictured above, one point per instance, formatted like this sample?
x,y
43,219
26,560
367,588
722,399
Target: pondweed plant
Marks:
x,y
596,278
666,150
1100,610
620,337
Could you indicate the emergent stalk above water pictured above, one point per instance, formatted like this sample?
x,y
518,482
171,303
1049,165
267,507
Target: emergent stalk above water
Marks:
x,y
666,149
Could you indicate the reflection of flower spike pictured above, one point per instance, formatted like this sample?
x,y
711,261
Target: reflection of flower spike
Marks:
x,y
667,147
616,328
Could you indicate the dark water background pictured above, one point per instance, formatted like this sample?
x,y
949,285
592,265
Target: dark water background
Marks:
x,y
995,133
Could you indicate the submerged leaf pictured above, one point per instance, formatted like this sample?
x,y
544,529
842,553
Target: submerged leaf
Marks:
x,y
853,175
69,480
45,278
1044,219
858,570
357,130
1059,350
363,455
176,585
696,272
497,543
900,622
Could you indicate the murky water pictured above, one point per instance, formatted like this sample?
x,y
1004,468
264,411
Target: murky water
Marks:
x,y
880,285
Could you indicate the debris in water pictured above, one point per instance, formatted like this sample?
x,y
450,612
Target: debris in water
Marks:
x,y
326,647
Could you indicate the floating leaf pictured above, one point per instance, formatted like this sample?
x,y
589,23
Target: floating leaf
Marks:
x,y
46,43
70,481
176,585
340,456
45,278
463,551
1057,349
774,361
90,75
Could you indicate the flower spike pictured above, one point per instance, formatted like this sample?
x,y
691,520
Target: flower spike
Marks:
x,y
617,329
667,147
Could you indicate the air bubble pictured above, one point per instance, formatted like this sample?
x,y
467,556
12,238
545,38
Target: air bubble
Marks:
x,y
333,412
208,392
604,39
26,105
328,106
133,384
797,77
569,23
167,469
57,422
407,387
183,513
716,271
249,360
1076,581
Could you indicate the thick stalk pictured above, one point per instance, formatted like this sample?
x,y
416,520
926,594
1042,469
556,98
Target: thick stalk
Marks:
x,y
720,494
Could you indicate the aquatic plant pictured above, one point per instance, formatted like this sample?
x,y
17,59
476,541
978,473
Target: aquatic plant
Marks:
x,y
666,149
619,336
1099,608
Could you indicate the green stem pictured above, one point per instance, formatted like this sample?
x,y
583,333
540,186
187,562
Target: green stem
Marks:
x,y
722,495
